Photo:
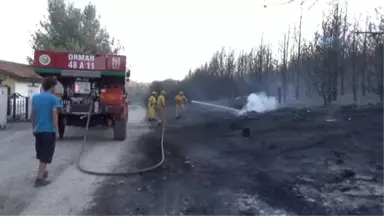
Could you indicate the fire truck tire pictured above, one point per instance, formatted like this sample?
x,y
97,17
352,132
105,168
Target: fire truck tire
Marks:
x,y
120,129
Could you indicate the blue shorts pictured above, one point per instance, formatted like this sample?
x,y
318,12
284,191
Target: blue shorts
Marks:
x,y
45,143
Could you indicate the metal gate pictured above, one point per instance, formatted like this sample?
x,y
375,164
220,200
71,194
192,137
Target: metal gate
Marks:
x,y
17,107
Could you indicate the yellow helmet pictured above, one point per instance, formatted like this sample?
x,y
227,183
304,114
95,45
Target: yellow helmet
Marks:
x,y
154,93
181,93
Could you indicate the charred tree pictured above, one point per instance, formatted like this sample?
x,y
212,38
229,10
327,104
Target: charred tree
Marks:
x,y
363,75
378,73
284,67
298,72
353,63
342,71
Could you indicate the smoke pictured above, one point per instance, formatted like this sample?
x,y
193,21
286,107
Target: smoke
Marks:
x,y
256,102
260,103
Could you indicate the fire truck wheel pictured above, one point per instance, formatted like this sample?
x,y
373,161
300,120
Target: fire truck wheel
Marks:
x,y
120,129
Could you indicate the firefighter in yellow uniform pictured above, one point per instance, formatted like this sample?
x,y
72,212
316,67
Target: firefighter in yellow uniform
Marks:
x,y
151,106
180,100
161,106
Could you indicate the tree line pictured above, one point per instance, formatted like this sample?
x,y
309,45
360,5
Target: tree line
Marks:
x,y
335,63
343,59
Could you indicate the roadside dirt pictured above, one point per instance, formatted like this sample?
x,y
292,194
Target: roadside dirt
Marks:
x,y
307,162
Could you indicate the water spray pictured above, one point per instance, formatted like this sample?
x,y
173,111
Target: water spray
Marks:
x,y
235,111
256,102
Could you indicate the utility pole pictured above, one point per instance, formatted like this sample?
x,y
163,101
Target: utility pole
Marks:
x,y
374,34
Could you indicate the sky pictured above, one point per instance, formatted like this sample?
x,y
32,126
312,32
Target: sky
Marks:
x,y
165,38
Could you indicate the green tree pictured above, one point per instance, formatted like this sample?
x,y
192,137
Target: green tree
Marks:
x,y
71,29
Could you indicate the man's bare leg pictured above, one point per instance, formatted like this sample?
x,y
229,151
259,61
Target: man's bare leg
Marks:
x,y
42,174
42,170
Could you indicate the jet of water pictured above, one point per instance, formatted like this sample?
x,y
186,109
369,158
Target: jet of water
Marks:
x,y
233,110
256,102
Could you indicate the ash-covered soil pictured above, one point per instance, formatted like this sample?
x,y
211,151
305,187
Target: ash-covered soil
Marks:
x,y
309,162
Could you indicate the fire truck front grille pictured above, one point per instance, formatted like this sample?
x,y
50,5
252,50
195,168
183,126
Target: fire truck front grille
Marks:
x,y
96,107
70,107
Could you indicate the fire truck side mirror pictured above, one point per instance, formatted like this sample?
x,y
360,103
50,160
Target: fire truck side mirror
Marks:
x,y
128,75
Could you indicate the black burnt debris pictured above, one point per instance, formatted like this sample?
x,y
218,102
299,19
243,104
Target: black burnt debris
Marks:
x,y
297,162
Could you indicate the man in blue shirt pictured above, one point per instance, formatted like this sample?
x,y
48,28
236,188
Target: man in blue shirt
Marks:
x,y
44,118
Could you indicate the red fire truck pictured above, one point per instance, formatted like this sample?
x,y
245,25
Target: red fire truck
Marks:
x,y
92,84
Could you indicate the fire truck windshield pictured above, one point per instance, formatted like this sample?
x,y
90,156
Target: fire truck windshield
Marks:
x,y
82,87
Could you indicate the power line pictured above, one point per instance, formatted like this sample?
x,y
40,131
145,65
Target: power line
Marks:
x,y
310,7
266,3
373,33
278,3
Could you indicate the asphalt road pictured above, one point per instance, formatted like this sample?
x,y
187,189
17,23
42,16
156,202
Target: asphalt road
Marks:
x,y
71,191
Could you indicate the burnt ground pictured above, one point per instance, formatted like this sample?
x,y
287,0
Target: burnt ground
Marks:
x,y
308,162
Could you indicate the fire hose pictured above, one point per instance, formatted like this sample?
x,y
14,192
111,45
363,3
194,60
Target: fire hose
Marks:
x,y
137,171
126,173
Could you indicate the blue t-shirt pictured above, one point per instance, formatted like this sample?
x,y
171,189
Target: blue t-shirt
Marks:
x,y
43,105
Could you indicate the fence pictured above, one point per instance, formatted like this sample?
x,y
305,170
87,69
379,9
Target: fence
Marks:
x,y
17,107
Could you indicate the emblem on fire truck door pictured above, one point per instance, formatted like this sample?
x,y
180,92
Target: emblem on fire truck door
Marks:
x,y
44,59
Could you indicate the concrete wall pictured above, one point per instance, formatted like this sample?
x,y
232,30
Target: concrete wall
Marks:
x,y
3,106
22,88
16,86
10,82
